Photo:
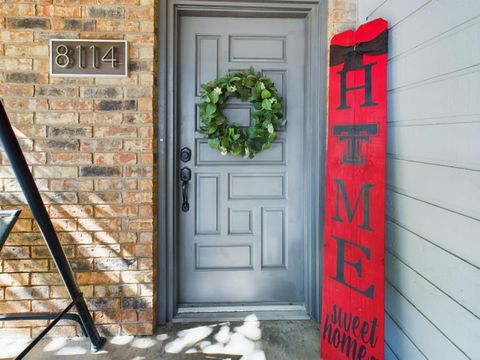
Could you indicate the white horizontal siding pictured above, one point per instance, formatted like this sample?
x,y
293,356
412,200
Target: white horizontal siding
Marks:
x,y
419,330
412,142
431,20
389,354
454,189
454,321
456,50
401,346
452,232
457,278
459,100
433,177
394,12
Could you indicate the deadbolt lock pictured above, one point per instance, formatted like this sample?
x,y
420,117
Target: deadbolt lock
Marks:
x,y
185,154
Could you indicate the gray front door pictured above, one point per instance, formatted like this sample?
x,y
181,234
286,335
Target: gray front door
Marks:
x,y
243,239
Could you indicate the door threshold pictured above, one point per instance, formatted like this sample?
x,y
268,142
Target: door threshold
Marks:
x,y
188,314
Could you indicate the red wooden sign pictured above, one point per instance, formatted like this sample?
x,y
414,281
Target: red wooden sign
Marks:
x,y
353,278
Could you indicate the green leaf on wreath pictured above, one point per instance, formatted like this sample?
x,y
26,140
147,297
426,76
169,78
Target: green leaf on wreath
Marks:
x,y
251,131
224,142
266,94
236,150
266,146
250,81
220,119
256,115
214,143
210,110
214,96
266,104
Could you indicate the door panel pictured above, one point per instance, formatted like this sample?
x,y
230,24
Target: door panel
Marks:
x,y
242,239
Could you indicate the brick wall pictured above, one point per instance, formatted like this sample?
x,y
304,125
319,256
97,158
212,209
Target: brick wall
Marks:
x,y
342,15
90,146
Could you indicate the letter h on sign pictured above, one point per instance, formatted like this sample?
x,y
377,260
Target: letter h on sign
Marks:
x,y
367,87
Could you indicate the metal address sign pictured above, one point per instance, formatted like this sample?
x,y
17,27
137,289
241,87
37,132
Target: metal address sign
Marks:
x,y
75,57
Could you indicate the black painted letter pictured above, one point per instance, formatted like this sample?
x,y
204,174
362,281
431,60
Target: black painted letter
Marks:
x,y
367,87
341,262
365,191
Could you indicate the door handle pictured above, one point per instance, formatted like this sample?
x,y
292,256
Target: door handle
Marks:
x,y
185,177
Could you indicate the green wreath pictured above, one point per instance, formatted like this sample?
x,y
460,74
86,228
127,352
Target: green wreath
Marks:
x,y
229,138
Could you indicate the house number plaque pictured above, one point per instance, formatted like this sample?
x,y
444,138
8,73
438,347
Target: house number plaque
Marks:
x,y
75,57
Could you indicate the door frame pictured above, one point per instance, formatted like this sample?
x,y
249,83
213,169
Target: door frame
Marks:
x,y
166,250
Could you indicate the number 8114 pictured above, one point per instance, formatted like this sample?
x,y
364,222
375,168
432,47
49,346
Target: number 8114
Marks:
x,y
65,57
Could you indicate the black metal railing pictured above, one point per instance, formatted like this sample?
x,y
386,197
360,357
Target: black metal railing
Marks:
x,y
25,179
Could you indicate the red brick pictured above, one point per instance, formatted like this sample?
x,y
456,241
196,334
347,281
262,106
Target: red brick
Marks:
x,y
115,210
16,90
22,293
18,10
71,185
25,265
115,158
73,211
7,307
99,224
138,329
98,278
115,131
14,279
95,251
70,158
46,279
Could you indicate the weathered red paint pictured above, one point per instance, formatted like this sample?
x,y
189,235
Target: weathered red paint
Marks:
x,y
353,279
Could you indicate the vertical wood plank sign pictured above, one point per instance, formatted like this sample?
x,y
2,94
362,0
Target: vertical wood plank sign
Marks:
x,y
353,277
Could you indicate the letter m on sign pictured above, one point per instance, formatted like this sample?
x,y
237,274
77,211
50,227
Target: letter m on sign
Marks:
x,y
354,238
342,198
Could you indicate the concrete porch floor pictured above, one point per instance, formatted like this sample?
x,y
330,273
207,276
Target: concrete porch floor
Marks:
x,y
248,340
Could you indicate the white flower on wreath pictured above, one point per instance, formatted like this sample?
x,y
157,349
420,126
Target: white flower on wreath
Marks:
x,y
247,153
223,150
262,85
218,90
232,89
272,100
270,128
